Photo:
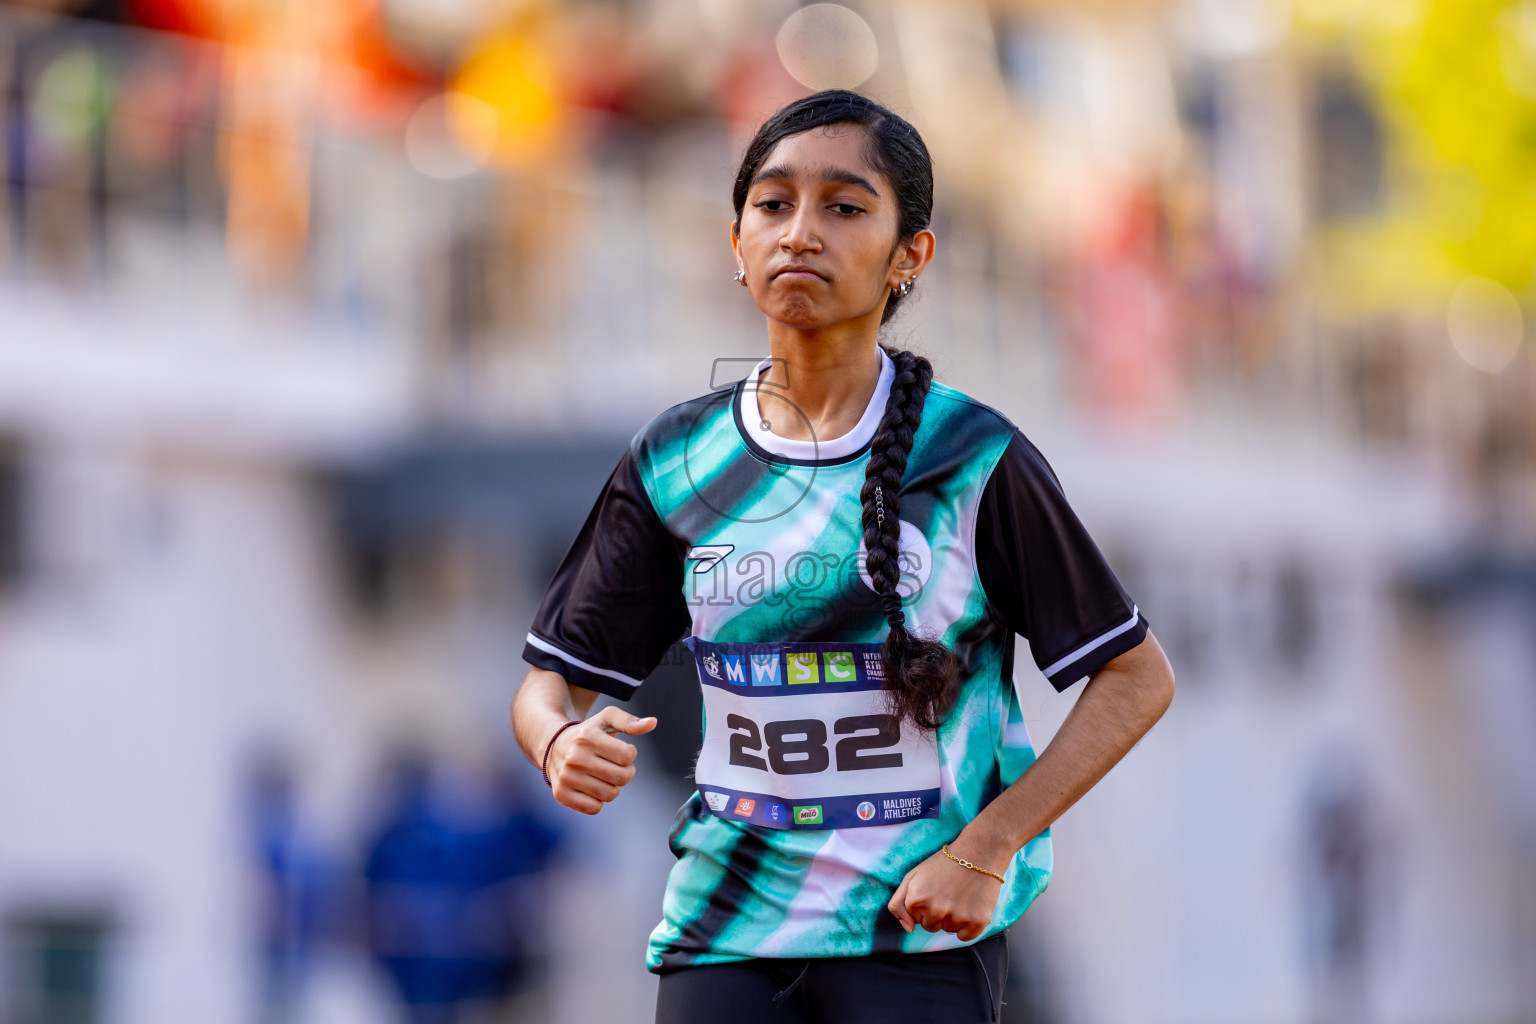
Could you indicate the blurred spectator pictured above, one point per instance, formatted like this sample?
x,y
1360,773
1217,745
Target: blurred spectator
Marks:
x,y
301,887
1124,310
1345,865
452,888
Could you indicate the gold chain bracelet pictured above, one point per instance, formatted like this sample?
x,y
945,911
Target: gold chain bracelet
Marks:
x,y
967,864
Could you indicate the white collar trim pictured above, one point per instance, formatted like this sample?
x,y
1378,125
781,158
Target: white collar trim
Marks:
x,y
818,451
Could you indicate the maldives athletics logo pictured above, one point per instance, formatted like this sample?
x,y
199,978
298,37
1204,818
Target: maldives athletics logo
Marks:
x,y
865,811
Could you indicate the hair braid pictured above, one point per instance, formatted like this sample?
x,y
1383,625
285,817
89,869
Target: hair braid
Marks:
x,y
920,671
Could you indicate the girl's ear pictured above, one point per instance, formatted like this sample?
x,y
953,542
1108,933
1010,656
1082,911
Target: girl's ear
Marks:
x,y
913,255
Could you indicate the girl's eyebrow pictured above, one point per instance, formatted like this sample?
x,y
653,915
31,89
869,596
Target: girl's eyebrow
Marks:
x,y
829,176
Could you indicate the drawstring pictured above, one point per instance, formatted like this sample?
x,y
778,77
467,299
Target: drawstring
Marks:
x,y
991,1000
790,988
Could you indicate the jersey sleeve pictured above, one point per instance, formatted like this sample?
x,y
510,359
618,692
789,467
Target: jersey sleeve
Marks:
x,y
1044,576
616,602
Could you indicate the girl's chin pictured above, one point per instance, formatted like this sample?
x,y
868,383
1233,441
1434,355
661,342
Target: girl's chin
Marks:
x,y
805,313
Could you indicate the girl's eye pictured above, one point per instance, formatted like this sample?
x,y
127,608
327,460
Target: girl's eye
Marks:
x,y
766,203
847,209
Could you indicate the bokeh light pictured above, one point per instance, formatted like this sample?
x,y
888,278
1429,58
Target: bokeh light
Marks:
x,y
451,135
828,46
73,96
1485,324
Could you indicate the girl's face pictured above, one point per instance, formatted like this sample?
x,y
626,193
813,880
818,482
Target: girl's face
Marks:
x,y
818,232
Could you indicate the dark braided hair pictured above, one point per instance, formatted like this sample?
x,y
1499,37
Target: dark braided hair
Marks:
x,y
921,673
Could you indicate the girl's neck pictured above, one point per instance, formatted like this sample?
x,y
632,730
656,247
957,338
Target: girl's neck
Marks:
x,y
829,385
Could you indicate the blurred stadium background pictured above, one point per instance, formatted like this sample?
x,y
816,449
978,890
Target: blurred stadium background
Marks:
x,y
321,324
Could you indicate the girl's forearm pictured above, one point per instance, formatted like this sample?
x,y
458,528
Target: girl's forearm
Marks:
x,y
1117,707
543,704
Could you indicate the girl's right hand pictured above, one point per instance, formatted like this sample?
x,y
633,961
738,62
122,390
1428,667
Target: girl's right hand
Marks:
x,y
589,764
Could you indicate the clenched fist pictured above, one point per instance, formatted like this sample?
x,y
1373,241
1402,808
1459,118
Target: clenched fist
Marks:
x,y
942,896
589,764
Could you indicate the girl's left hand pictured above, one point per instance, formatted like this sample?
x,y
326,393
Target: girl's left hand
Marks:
x,y
942,896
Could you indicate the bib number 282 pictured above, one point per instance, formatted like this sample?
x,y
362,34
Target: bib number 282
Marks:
x,y
799,746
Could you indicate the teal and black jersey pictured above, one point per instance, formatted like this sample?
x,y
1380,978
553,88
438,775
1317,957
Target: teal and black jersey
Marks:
x,y
812,801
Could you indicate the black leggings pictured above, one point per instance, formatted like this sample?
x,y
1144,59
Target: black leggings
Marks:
x,y
953,986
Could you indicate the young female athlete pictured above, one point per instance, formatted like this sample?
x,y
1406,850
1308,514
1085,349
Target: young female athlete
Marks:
x,y
848,547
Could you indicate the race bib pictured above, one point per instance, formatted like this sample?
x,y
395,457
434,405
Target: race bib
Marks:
x,y
797,736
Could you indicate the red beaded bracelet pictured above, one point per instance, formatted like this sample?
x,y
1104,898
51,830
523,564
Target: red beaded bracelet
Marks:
x,y
548,748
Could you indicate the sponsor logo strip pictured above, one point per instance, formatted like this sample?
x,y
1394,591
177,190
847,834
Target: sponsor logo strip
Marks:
x,y
767,669
821,813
